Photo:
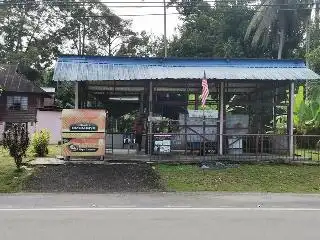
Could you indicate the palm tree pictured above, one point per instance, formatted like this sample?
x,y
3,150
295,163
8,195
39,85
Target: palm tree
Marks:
x,y
277,19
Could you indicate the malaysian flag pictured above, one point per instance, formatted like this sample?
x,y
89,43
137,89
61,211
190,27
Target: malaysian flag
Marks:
x,y
205,90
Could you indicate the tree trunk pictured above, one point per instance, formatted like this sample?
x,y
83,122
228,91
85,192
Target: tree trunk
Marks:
x,y
281,42
317,15
18,162
109,45
83,40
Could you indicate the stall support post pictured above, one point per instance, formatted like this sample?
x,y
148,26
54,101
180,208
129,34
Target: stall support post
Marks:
x,y
290,119
76,95
141,102
150,117
221,117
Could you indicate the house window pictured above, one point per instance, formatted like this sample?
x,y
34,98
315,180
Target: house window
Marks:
x,y
17,103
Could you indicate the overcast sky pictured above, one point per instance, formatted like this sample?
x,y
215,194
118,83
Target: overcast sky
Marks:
x,y
152,24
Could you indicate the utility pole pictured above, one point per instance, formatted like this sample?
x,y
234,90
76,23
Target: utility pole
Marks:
x,y
165,28
307,51
308,39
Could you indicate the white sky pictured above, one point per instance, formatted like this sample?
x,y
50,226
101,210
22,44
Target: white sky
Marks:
x,y
151,24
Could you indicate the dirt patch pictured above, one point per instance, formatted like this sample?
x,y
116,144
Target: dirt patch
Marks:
x,y
94,179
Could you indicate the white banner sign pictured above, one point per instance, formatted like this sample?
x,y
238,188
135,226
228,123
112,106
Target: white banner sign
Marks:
x,y
207,113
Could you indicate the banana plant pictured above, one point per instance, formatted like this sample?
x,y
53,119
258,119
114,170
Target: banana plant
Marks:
x,y
306,113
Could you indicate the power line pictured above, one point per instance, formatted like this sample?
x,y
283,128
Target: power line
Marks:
x,y
161,14
131,15
221,8
144,4
159,2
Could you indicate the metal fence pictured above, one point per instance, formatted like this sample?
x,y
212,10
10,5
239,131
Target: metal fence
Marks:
x,y
192,147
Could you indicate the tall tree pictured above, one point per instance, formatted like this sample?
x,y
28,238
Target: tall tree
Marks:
x,y
27,34
141,44
281,21
91,28
34,32
209,31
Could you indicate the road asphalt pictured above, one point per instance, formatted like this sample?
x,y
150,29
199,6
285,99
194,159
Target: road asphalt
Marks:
x,y
159,216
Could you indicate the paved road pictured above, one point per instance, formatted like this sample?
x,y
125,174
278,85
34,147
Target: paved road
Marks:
x,y
159,216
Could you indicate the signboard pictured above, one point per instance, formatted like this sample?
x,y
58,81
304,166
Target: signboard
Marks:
x,y
83,120
199,113
84,127
162,144
155,119
83,132
83,147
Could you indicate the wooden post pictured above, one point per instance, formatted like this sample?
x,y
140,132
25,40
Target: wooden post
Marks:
x,y
196,101
221,117
290,118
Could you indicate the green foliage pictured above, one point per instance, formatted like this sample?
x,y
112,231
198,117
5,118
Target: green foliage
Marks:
x,y
307,113
210,31
298,100
40,142
16,140
65,95
34,33
125,123
282,28
314,59
142,44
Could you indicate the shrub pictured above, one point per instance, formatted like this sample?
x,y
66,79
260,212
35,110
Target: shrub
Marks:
x,y
16,140
40,142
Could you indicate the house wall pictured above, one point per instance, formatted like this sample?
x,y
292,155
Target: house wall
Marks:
x,y
30,115
48,102
50,120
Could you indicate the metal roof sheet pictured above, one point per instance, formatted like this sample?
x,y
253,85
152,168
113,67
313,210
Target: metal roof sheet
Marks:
x,y
83,68
12,81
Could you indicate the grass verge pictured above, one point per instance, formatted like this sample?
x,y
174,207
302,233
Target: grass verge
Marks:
x,y
11,180
247,178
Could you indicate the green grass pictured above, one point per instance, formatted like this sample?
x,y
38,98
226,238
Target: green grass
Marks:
x,y
247,178
11,180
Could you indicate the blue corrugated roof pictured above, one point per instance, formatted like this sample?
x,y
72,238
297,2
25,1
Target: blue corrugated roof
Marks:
x,y
79,68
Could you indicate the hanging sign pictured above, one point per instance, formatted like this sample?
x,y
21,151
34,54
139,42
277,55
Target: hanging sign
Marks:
x,y
200,113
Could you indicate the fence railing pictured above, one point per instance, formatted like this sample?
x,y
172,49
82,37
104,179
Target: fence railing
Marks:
x,y
236,147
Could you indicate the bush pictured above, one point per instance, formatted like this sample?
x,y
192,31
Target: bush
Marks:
x,y
40,142
16,140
